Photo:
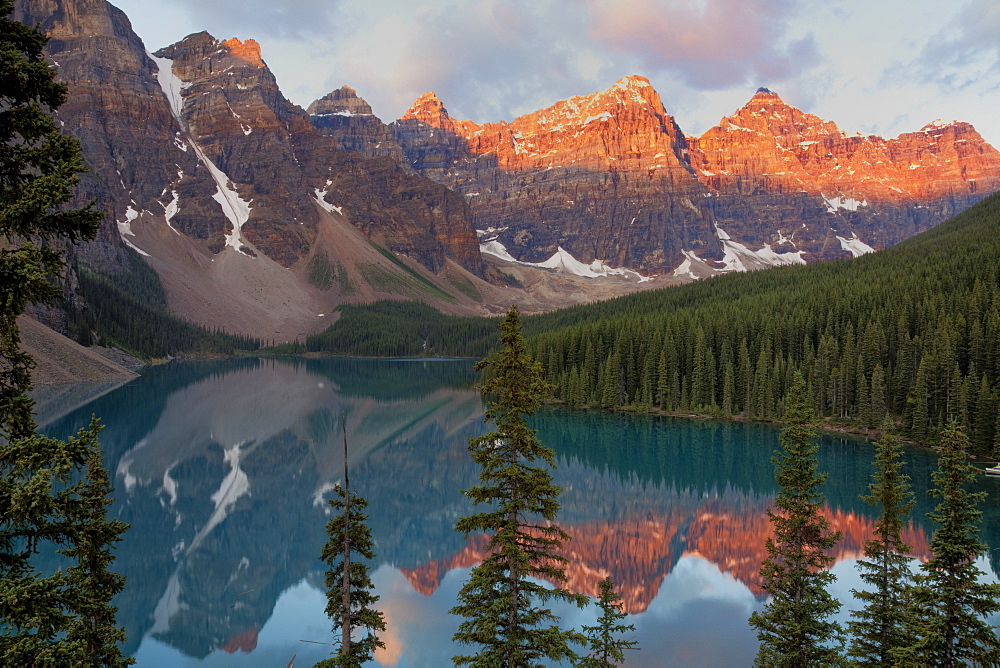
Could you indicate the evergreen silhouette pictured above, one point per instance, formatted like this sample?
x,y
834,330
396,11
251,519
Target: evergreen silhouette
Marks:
x,y
879,629
63,618
94,630
795,628
350,598
503,601
607,646
949,601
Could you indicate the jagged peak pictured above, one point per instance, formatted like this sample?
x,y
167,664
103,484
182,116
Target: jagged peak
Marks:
x,y
939,124
343,101
767,96
248,51
633,82
427,109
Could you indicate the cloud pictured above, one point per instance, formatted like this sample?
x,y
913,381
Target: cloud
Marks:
x,y
708,45
254,18
487,59
966,52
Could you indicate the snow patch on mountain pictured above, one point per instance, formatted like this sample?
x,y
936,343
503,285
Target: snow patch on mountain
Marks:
x,y
846,203
125,230
740,258
171,85
321,200
563,262
235,208
737,257
170,209
856,247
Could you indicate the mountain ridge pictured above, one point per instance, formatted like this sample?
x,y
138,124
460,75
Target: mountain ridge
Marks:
x,y
261,217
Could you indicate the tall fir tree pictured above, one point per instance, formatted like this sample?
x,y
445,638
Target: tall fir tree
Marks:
x,y
879,629
795,627
949,600
60,618
350,596
605,639
94,630
503,602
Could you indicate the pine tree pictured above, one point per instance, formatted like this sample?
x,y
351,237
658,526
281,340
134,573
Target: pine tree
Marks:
x,y
56,619
349,589
795,627
949,601
503,601
94,629
604,639
879,629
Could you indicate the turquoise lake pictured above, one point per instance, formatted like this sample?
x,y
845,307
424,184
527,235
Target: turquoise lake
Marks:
x,y
223,470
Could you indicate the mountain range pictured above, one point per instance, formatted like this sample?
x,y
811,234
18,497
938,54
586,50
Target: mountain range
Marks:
x,y
261,218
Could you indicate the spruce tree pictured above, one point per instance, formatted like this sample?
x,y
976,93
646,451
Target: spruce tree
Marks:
x,y
949,601
350,593
63,618
503,602
607,646
879,628
795,628
93,629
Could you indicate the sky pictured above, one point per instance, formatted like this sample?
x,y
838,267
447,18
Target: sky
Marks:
x,y
872,66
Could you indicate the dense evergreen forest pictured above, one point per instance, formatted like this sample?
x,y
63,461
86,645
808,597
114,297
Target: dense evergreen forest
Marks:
x,y
912,331
128,310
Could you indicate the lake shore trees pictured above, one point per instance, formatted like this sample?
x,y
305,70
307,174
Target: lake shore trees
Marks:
x,y
949,601
880,629
795,628
53,493
503,603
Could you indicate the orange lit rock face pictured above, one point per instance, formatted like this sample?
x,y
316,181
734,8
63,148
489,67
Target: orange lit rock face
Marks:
x,y
603,176
639,553
611,176
248,51
771,146
624,128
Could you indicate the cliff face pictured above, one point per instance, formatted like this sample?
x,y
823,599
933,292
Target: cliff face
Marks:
x,y
611,176
282,167
194,153
349,122
603,176
790,167
114,107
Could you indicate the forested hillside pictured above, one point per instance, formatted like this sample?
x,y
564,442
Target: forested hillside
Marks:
x,y
913,331
128,310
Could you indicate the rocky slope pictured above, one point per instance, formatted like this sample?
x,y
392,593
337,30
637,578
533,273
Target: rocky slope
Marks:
x,y
611,177
260,217
227,190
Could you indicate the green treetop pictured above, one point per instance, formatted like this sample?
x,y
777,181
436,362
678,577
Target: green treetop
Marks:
x,y
949,601
607,646
350,592
794,628
503,600
879,628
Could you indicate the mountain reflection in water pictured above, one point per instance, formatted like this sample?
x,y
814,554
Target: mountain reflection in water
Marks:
x,y
223,470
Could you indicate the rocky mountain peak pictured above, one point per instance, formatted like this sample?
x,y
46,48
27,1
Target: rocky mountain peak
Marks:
x,y
429,109
342,102
248,51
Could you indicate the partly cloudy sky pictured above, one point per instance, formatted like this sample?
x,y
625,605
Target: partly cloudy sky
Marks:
x,y
871,66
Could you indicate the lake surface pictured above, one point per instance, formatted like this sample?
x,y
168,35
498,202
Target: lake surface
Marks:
x,y
223,470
